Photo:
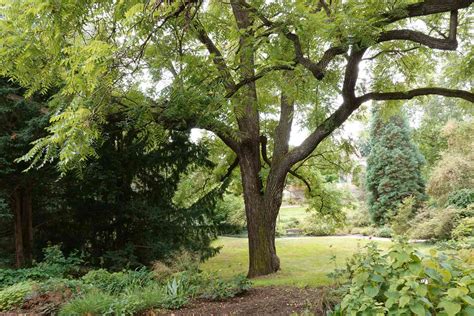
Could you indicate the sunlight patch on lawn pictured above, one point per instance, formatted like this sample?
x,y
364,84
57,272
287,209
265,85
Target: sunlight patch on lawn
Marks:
x,y
304,260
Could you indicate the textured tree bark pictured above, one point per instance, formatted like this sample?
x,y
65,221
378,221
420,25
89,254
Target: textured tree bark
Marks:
x,y
23,221
262,207
17,209
27,225
261,221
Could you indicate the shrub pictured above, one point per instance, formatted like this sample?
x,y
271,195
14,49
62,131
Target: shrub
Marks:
x,y
54,265
14,295
220,289
360,217
400,222
176,294
183,260
453,172
60,285
292,222
117,282
92,303
161,271
464,229
435,223
384,231
317,225
365,231
405,282
461,198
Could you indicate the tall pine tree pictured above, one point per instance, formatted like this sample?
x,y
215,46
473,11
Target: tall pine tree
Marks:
x,y
393,166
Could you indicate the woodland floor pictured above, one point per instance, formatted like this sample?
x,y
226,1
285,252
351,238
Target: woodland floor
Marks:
x,y
270,300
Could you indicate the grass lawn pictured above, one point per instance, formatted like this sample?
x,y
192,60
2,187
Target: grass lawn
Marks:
x,y
304,260
288,212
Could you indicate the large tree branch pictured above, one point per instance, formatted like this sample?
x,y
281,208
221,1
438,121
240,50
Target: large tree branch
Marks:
x,y
216,54
263,141
449,43
316,68
249,122
348,107
427,7
257,76
337,118
420,38
230,169
283,129
410,94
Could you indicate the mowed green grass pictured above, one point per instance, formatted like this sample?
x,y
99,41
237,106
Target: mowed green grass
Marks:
x,y
305,261
289,212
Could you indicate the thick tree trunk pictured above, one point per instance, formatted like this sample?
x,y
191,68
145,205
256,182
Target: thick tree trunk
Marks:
x,y
261,211
22,209
27,222
17,210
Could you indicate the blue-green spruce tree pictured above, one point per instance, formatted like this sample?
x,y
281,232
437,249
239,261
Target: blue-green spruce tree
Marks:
x,y
393,167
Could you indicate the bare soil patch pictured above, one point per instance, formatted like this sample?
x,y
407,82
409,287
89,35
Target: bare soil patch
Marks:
x,y
271,300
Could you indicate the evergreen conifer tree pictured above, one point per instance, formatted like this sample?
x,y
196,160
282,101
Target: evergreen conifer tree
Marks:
x,y
393,167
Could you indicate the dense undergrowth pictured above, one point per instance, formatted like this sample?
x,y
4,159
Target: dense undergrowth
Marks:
x,y
405,281
60,288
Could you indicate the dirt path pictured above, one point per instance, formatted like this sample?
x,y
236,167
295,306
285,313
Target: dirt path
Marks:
x,y
272,300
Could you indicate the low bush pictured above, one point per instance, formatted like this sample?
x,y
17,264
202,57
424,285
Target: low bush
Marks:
x,y
401,221
405,282
117,282
434,223
73,286
14,295
358,217
292,222
384,231
54,265
218,289
464,229
177,293
316,225
161,271
100,292
461,198
365,231
91,303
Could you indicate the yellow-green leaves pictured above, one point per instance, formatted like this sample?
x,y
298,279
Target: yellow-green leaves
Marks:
x,y
86,66
72,136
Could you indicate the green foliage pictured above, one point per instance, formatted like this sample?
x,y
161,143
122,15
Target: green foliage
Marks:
x,y
436,113
14,295
54,265
129,293
94,302
319,226
461,198
455,170
218,289
401,222
464,229
434,223
230,213
176,293
404,282
117,282
61,285
439,223
393,167
385,232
